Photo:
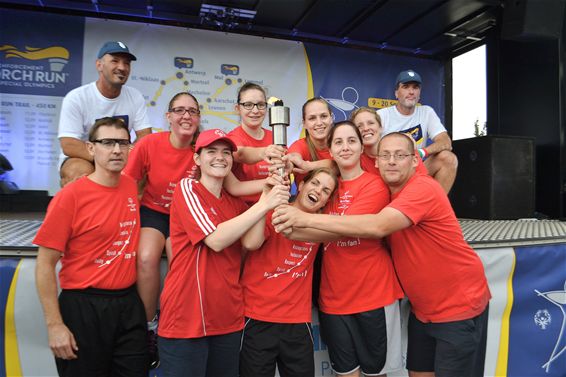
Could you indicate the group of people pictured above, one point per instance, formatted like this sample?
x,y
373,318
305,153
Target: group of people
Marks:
x,y
237,295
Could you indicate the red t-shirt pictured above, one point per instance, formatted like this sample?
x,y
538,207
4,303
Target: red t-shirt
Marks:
x,y
201,295
301,147
368,164
277,279
97,230
164,165
357,274
441,274
245,172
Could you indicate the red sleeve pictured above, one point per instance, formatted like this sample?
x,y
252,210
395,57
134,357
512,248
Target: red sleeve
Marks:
x,y
416,199
191,213
56,229
138,161
300,146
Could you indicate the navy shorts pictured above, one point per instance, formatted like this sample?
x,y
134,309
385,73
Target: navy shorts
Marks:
x,y
111,332
209,356
355,341
287,345
449,348
150,218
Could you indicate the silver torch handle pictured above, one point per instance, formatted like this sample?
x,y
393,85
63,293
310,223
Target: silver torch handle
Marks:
x,y
279,121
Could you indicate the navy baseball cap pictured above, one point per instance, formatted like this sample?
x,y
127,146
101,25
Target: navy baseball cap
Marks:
x,y
408,76
115,47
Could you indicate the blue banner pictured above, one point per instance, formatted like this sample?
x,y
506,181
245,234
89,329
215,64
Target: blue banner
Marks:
x,y
537,339
48,62
349,78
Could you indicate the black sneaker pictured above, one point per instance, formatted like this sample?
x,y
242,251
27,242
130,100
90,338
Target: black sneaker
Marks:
x,y
152,349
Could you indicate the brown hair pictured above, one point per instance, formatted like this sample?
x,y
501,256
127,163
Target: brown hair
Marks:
x,y
310,145
362,109
170,107
311,174
340,124
115,122
248,86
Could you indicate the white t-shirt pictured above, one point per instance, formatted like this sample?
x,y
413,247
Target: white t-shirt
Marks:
x,y
84,105
422,125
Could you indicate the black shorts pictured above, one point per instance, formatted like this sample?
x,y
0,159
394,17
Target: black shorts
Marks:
x,y
266,344
111,332
355,341
449,348
150,218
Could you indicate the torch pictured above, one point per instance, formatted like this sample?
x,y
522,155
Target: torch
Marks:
x,y
279,121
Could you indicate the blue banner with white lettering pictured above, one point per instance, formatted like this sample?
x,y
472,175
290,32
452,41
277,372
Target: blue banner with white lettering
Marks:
x,y
40,53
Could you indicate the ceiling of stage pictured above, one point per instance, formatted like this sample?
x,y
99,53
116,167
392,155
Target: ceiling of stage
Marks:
x,y
429,28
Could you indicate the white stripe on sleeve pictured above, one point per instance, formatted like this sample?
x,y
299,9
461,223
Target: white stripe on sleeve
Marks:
x,y
193,203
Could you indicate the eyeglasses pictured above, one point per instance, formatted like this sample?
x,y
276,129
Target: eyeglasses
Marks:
x,y
396,156
111,143
250,105
182,111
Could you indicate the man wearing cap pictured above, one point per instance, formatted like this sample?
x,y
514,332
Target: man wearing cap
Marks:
x,y
107,96
422,123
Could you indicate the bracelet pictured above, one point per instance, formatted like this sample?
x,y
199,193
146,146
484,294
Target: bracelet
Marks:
x,y
423,153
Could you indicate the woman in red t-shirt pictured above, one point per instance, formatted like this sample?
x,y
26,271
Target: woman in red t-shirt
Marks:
x,y
277,282
255,149
158,162
311,152
202,312
359,289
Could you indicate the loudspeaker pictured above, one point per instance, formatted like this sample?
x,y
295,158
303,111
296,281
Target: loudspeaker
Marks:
x,y
532,19
496,178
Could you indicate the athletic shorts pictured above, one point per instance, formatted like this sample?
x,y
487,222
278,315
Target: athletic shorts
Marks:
x,y
150,218
356,341
111,332
449,348
266,344
208,356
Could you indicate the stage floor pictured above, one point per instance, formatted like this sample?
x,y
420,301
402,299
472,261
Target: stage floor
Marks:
x,y
17,232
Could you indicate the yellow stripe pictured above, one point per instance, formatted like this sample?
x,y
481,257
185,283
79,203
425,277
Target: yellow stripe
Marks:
x,y
503,354
13,367
310,85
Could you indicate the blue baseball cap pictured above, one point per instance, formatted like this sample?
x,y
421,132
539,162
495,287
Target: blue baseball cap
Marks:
x,y
115,47
408,76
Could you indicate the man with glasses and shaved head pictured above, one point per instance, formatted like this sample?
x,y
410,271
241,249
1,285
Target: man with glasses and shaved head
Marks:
x,y
106,97
442,276
96,327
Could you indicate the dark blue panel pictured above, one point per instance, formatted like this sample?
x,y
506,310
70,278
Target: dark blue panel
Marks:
x,y
40,53
348,77
536,331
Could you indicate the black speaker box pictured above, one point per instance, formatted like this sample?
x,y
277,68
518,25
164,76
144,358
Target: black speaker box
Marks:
x,y
532,19
496,178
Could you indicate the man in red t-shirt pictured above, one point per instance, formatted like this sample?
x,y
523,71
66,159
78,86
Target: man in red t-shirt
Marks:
x,y
92,225
441,275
